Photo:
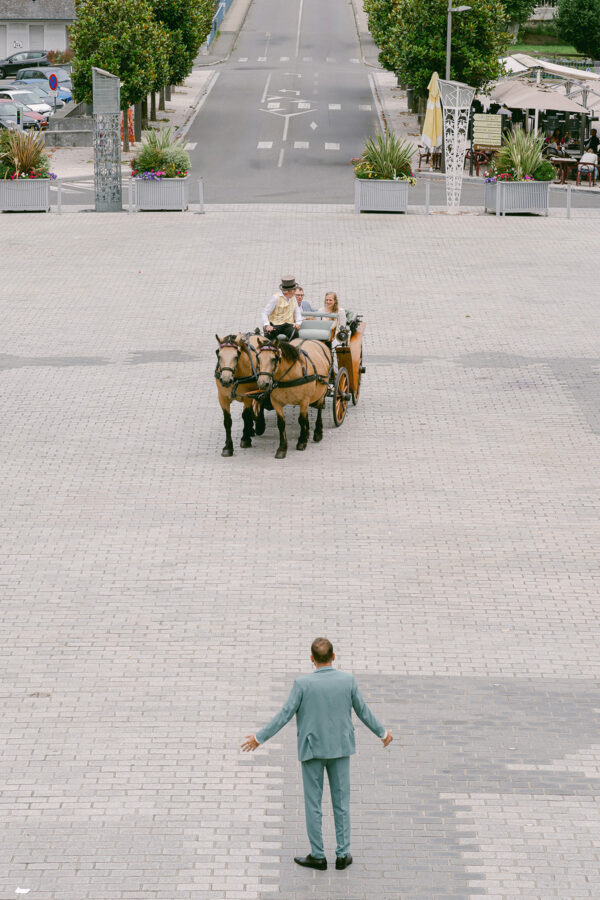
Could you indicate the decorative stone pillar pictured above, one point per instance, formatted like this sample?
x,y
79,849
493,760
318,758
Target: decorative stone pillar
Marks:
x,y
456,101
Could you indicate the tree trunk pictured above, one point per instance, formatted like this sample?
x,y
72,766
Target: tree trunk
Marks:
x,y
125,131
137,122
145,113
161,99
153,106
168,92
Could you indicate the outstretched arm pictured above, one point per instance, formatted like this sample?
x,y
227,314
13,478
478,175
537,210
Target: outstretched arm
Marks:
x,y
367,717
288,709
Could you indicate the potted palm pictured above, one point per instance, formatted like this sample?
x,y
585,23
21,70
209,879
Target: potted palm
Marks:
x,y
24,172
383,174
161,172
519,180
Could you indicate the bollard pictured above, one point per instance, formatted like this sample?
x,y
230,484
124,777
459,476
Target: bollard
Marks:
x,y
59,198
201,196
427,189
129,189
569,189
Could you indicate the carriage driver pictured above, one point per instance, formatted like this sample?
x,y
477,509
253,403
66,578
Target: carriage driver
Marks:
x,y
282,313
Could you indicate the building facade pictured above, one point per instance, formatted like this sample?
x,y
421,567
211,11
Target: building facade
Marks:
x,y
35,25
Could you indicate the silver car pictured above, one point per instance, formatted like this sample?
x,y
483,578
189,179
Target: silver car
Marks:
x,y
27,98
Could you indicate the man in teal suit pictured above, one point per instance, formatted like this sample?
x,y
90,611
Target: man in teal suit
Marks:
x,y
323,702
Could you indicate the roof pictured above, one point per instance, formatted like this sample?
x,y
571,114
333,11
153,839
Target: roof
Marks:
x,y
518,95
531,62
63,10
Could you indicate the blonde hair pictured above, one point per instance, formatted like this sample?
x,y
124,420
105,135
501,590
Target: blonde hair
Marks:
x,y
335,299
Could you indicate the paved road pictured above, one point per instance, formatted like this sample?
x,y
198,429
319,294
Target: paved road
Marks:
x,y
290,109
157,599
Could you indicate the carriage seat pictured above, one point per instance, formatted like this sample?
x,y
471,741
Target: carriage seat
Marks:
x,y
316,329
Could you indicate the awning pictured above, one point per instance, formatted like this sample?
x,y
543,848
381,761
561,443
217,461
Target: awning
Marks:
x,y
531,62
512,65
518,95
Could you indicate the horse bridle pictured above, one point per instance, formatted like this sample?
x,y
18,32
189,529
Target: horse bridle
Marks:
x,y
220,369
277,355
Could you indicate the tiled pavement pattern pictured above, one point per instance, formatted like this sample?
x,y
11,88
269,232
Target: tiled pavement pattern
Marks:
x,y
157,600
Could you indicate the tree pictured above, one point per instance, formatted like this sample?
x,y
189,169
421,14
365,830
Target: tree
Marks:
x,y
414,42
380,15
578,22
518,11
122,37
189,22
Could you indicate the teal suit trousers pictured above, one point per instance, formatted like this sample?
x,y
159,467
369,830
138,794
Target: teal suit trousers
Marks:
x,y
338,773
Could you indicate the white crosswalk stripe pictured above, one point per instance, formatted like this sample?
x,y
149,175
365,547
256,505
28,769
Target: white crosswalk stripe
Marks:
x,y
355,60
332,146
274,105
262,58
284,59
330,59
335,106
191,145
303,105
301,145
307,59
243,59
264,145
365,107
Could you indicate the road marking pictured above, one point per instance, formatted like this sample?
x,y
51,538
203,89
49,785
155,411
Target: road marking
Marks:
x,y
301,145
274,105
332,146
284,59
268,37
280,160
191,146
330,59
262,58
285,128
266,90
313,125
366,107
355,60
299,27
207,91
303,105
307,59
264,145
335,106
243,59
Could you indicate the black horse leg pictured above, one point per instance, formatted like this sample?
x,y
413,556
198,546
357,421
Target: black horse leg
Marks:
x,y
248,417
282,449
228,448
260,421
318,435
304,432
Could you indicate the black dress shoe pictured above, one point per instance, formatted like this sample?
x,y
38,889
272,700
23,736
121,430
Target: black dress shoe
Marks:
x,y
342,862
311,862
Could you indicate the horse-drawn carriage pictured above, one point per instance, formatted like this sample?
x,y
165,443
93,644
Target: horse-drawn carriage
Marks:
x,y
270,373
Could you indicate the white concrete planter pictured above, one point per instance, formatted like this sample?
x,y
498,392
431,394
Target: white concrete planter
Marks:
x,y
380,195
164,193
25,195
503,197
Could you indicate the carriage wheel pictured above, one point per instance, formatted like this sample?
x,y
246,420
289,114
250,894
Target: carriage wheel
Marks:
x,y
357,391
341,395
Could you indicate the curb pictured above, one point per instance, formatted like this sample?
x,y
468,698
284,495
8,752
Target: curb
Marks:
x,y
218,62
196,106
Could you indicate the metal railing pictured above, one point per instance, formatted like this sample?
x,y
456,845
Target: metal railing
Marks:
x,y
216,22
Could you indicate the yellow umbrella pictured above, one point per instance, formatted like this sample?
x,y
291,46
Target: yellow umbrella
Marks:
x,y
433,125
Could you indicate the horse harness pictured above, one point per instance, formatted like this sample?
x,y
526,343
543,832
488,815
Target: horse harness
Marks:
x,y
294,382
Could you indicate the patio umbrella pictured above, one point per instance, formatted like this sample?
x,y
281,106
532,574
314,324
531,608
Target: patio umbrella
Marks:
x,y
433,126
518,95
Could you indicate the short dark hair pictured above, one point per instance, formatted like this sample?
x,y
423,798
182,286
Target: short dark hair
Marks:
x,y
322,650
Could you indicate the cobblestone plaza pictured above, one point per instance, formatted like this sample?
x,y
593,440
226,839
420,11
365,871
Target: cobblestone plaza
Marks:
x,y
158,600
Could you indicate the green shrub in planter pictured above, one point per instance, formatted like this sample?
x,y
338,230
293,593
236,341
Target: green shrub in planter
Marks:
x,y
545,171
161,154
177,157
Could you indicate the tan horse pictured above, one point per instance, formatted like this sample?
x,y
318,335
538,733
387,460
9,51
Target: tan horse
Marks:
x,y
235,375
294,373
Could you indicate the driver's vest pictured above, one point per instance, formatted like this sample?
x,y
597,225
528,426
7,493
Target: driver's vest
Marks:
x,y
285,310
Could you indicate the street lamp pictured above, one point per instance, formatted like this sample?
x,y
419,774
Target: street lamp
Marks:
x,y
451,9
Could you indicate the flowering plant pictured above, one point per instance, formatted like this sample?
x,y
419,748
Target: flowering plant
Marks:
x,y
157,174
16,176
161,156
23,155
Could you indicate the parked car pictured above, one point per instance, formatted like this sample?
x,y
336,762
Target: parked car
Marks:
x,y
28,98
8,115
30,58
43,74
43,91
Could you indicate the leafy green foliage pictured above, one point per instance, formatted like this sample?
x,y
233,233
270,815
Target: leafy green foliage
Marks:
x,y
122,37
521,153
518,10
160,151
188,22
545,171
22,151
412,38
385,156
578,22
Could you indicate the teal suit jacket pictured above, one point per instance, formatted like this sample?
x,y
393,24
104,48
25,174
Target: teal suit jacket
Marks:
x,y
323,702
